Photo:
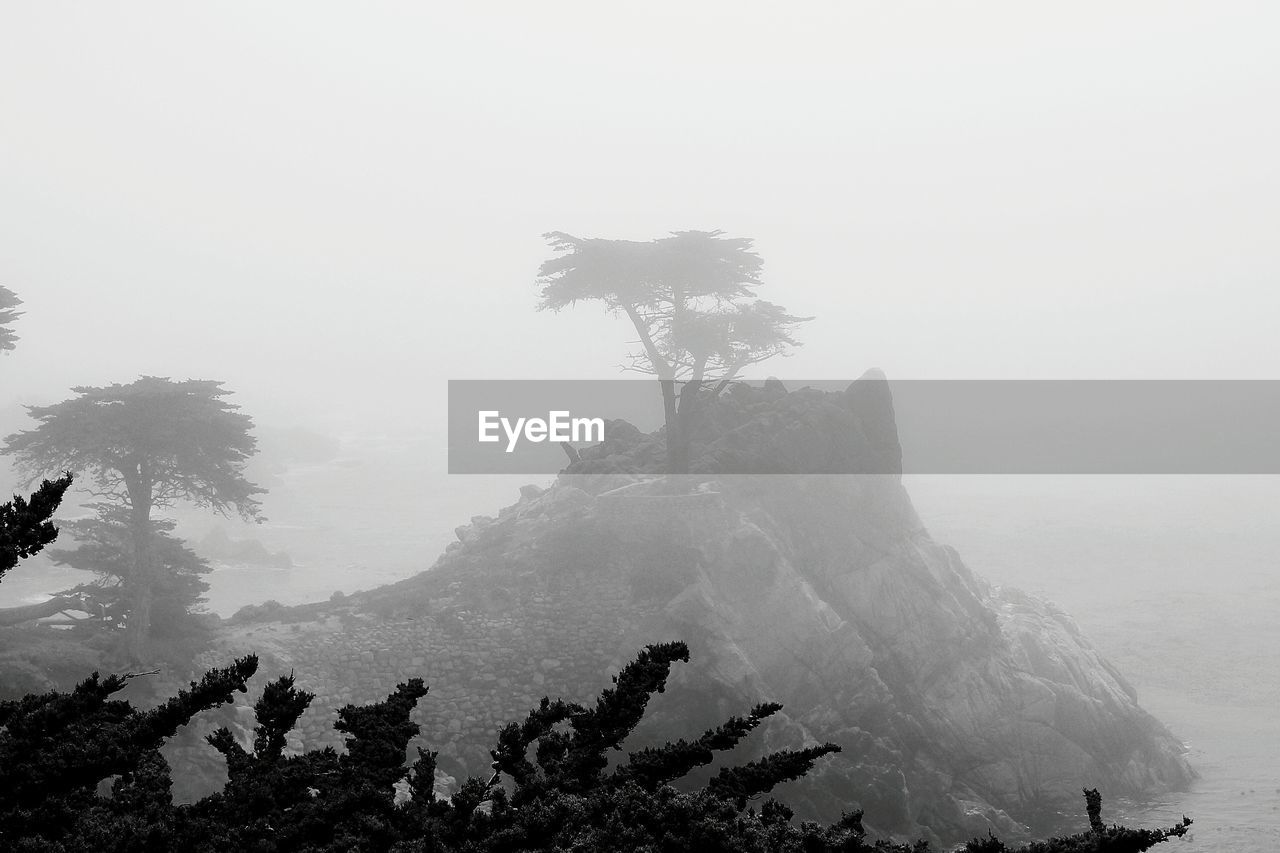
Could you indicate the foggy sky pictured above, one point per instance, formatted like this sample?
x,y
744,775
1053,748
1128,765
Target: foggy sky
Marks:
x,y
337,207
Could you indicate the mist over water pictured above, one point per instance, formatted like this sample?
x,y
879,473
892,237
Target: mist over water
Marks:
x,y
1176,579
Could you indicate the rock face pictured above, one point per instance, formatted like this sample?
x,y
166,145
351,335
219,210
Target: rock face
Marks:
x,y
959,707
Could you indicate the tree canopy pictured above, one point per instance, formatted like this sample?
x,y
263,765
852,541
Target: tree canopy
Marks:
x,y
9,303
25,523
103,545
690,297
149,443
144,445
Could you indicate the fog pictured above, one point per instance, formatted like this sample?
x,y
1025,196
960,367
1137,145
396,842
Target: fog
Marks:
x,y
336,209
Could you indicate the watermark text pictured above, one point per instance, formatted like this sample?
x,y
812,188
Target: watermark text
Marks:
x,y
559,426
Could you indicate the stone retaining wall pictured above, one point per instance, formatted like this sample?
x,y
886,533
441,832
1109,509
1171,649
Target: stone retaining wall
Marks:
x,y
485,667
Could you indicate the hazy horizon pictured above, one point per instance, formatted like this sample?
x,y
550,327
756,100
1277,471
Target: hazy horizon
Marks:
x,y
316,204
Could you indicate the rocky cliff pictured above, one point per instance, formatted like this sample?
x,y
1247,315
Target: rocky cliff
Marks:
x,y
959,706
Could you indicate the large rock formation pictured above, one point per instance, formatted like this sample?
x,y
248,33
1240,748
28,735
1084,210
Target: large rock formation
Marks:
x,y
960,707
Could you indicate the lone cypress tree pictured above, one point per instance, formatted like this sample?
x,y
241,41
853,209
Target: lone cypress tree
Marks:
x,y
690,298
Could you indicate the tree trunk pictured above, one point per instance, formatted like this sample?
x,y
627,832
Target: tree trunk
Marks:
x,y
684,420
672,420
684,428
666,378
140,582
138,623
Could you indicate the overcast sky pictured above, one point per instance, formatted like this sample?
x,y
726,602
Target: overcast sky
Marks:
x,y
338,206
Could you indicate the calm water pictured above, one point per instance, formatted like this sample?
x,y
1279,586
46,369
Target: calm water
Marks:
x,y
1177,580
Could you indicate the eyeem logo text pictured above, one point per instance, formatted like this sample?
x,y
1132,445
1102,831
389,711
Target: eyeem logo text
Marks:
x,y
558,426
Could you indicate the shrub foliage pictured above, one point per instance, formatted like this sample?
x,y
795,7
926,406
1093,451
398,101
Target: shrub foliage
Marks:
x,y
553,787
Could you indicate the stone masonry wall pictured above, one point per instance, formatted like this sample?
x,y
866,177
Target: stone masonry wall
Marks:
x,y
485,667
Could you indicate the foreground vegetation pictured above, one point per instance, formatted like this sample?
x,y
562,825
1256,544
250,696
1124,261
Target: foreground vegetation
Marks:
x,y
552,786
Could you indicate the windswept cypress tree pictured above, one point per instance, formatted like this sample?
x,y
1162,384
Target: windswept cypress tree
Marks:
x,y
56,747
690,298
26,525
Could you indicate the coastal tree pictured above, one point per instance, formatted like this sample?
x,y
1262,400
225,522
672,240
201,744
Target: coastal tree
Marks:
x,y
9,303
104,546
691,299
26,525
551,787
57,748
145,446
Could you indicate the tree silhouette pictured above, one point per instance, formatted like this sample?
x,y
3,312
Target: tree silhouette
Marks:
x,y
550,789
25,525
25,529
689,297
9,303
146,445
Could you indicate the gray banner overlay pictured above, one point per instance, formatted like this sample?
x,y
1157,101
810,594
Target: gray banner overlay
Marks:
x,y
943,426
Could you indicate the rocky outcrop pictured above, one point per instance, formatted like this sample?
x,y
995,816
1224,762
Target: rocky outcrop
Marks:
x,y
959,707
